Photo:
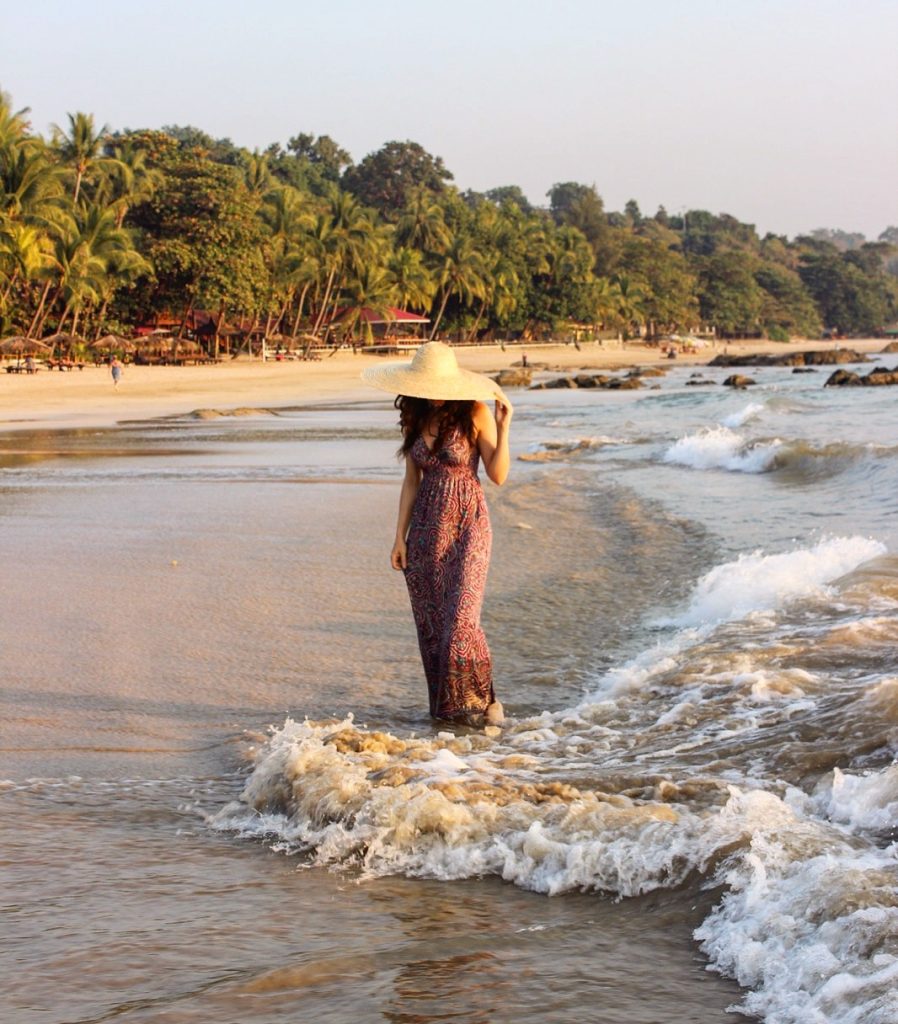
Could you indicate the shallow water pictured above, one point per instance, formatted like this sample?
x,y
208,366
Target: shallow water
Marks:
x,y
694,620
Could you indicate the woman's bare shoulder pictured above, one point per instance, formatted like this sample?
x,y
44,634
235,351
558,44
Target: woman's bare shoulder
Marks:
x,y
482,418
480,413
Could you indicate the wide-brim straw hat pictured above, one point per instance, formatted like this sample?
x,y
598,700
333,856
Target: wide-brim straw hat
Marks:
x,y
434,373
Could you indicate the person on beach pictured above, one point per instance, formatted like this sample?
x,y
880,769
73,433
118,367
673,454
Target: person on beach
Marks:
x,y
115,368
443,533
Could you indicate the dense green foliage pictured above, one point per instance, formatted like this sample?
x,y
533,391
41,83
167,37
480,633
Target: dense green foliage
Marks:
x,y
103,230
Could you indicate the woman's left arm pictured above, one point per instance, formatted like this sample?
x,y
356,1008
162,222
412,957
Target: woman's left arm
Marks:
x,y
492,439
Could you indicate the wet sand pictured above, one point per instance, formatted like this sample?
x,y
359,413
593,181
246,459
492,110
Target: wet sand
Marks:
x,y
87,398
161,622
175,588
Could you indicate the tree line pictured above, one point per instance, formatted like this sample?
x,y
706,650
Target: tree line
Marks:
x,y
101,230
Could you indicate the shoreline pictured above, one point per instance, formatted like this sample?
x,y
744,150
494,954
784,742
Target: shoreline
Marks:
x,y
86,398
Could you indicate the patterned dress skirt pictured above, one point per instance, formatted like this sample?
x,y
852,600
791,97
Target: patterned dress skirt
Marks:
x,y
448,549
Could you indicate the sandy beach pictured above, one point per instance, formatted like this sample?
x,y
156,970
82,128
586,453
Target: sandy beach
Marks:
x,y
223,798
86,398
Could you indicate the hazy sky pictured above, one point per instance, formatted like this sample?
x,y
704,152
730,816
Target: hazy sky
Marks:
x,y
781,112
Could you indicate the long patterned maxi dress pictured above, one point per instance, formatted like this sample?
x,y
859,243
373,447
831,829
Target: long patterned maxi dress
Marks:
x,y
448,554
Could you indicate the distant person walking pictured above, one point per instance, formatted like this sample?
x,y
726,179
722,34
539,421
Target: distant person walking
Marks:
x,y
115,368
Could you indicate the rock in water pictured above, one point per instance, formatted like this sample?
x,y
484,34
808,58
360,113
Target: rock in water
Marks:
x,y
514,378
878,377
738,381
881,375
830,357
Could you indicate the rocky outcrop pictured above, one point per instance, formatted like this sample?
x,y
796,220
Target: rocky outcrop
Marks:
x,y
557,382
830,357
590,380
520,377
738,381
803,369
890,349
646,371
700,382
879,377
843,379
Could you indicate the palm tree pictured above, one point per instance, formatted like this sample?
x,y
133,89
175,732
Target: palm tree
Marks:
x,y
283,213
30,188
31,204
13,127
257,173
630,301
128,179
500,282
305,272
414,283
460,274
573,255
88,255
285,222
23,255
345,233
422,224
81,147
608,301
372,288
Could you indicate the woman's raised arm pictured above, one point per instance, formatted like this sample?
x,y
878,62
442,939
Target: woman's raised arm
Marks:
x,y
492,440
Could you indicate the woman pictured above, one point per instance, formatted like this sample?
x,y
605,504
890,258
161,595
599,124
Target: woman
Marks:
x,y
443,533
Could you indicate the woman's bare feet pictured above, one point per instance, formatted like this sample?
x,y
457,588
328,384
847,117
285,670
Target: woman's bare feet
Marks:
x,y
495,714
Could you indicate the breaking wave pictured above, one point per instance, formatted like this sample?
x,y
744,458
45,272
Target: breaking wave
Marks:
x,y
638,789
724,448
752,411
758,582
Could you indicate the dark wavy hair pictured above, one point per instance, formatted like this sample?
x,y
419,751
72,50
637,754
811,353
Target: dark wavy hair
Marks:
x,y
416,413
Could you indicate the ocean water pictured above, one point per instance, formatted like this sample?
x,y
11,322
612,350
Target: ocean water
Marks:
x,y
223,799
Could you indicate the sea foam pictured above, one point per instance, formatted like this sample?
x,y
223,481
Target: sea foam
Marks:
x,y
736,419
757,582
810,927
864,802
552,804
722,448
807,921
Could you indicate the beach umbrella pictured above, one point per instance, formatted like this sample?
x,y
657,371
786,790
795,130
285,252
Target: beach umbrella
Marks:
x,y
18,345
113,342
62,339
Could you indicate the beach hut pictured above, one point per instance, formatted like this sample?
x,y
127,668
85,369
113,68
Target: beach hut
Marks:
x,y
382,324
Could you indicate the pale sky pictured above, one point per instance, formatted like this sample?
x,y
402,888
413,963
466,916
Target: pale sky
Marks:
x,y
783,113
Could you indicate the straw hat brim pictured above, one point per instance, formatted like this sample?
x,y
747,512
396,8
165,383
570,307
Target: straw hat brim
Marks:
x,y
460,386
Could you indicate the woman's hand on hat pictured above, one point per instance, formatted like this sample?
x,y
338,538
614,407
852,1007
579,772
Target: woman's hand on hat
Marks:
x,y
503,414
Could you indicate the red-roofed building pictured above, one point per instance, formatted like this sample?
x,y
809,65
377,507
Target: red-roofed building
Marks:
x,y
387,323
